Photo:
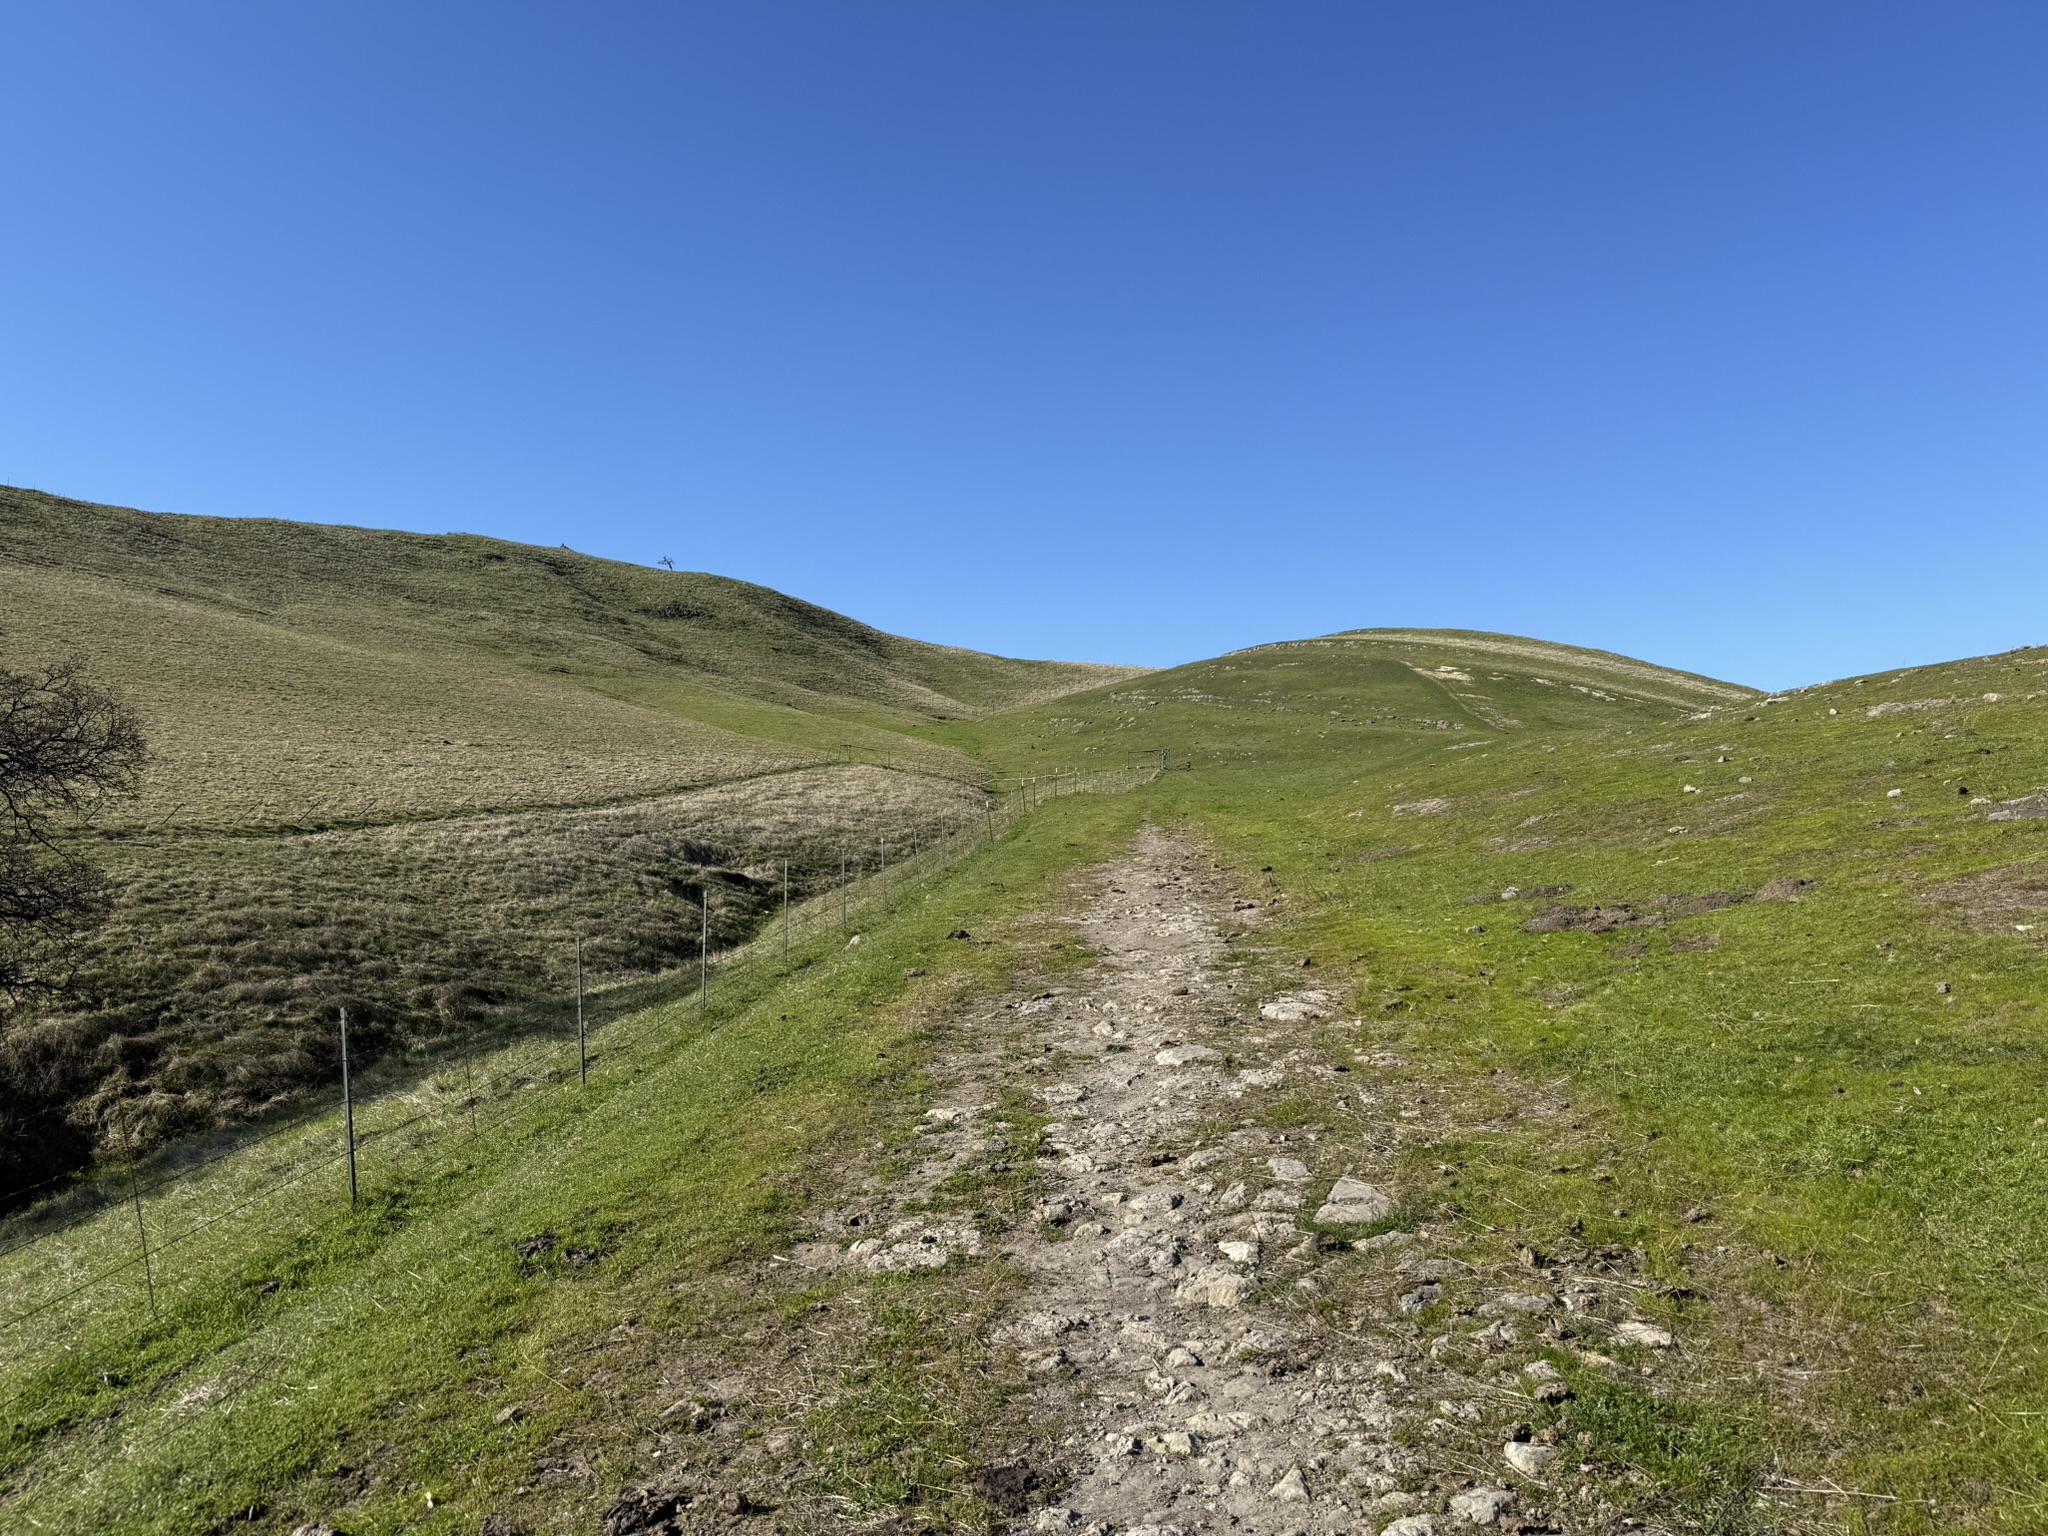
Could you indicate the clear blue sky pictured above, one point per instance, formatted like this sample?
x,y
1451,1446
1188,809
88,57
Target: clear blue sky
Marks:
x,y
1717,334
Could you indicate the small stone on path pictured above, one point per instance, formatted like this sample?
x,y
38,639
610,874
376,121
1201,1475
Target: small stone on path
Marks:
x,y
1422,1296
1634,1331
1215,1286
1481,1506
1527,1458
1290,1489
1295,1009
1353,1202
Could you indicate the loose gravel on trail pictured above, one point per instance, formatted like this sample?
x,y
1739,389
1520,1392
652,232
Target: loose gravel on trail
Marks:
x,y
1228,1320
1185,1378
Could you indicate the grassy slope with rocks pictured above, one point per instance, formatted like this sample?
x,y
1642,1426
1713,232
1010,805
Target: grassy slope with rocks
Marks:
x,y
1554,898
523,1319
1784,954
402,774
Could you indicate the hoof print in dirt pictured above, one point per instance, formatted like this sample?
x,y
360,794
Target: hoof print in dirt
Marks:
x,y
1005,1486
642,1510
537,1246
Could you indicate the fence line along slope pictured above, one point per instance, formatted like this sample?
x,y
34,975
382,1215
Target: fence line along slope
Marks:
x,y
400,772
259,1256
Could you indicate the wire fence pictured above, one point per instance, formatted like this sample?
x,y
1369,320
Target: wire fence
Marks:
x,y
156,1236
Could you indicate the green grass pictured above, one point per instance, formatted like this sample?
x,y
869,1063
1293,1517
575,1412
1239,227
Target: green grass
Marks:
x,y
1808,1127
1849,1086
290,671
405,773
312,1361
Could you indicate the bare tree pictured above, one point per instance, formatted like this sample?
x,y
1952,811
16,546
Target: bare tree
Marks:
x,y
66,749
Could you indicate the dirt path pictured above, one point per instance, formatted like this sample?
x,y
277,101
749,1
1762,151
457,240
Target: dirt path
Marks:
x,y
1189,1405
1188,1379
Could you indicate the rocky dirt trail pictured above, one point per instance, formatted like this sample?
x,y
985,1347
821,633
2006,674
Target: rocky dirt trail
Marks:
x,y
1231,1329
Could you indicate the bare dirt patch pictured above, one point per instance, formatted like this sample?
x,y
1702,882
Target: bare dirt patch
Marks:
x,y
1995,900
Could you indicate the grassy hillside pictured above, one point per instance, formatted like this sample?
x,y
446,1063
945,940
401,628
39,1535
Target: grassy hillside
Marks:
x,y
294,674
545,1287
1371,691
1784,957
1746,991
404,774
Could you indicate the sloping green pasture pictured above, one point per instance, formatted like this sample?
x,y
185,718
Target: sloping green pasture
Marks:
x,y
405,774
1795,1020
303,1360
1844,1089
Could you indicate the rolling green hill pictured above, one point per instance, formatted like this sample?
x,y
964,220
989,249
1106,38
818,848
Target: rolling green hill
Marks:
x,y
405,774
1730,1001
1783,958
301,675
1364,690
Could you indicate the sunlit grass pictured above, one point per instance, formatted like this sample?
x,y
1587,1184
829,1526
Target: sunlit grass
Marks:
x,y
1844,1091
312,1357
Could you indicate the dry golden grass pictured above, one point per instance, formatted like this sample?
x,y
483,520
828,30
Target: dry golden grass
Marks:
x,y
292,675
212,991
403,773
258,725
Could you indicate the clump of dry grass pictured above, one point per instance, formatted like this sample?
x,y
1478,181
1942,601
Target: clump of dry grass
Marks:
x,y
403,773
211,994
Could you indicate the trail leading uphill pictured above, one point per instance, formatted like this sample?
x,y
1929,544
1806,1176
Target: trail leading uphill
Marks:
x,y
1180,1314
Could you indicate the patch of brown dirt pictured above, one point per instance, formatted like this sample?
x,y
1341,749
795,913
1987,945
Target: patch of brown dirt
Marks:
x,y
1997,899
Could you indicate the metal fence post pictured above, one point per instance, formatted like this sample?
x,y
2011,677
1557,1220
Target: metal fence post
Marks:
x,y
785,907
582,1050
704,945
348,1109
141,1231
